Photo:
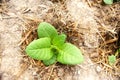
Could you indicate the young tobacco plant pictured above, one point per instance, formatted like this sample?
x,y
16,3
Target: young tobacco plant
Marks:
x,y
51,47
113,58
110,1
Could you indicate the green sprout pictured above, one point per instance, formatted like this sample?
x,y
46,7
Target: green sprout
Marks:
x,y
52,47
110,1
112,59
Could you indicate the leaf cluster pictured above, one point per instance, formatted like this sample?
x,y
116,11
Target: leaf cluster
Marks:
x,y
51,47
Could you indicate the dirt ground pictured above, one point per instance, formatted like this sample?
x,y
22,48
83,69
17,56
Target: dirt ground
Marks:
x,y
91,25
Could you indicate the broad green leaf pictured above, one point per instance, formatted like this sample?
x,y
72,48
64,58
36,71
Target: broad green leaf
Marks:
x,y
40,49
108,1
59,40
50,61
112,59
46,30
70,54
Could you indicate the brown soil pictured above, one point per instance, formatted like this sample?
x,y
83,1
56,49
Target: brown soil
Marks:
x,y
91,25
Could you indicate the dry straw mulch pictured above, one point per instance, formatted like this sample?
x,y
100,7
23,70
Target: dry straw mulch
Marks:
x,y
108,39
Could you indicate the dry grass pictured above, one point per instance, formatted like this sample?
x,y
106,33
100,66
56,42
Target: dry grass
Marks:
x,y
109,19
106,29
98,34
108,39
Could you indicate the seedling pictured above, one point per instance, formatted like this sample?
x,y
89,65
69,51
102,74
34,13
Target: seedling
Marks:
x,y
110,1
51,47
112,58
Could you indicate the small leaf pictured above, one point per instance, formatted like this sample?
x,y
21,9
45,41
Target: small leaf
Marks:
x,y
40,49
50,61
70,54
59,40
108,1
112,59
46,30
118,50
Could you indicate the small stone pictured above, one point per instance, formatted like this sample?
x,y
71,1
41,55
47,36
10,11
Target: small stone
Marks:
x,y
98,69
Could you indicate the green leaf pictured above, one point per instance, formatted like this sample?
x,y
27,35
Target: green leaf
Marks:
x,y
59,40
108,1
40,49
112,59
50,61
70,54
46,30
118,50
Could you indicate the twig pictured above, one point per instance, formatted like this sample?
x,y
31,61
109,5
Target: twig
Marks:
x,y
21,71
110,41
107,65
51,71
24,38
89,3
103,26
